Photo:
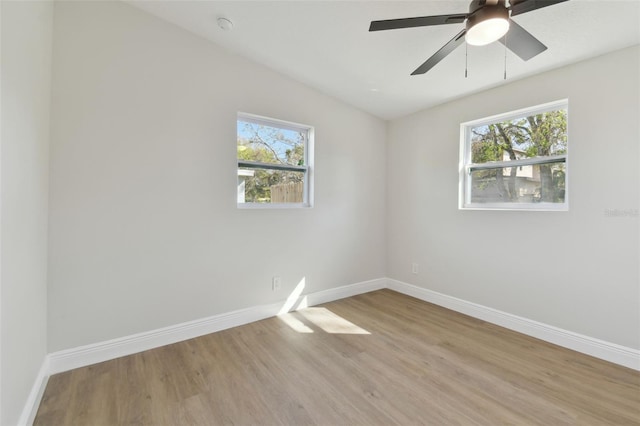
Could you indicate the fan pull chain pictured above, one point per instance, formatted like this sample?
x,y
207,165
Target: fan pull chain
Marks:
x,y
466,51
505,56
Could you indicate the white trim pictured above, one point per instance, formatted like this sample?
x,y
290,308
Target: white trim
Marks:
x,y
262,120
262,206
69,359
35,396
522,112
337,293
539,207
529,161
607,351
103,351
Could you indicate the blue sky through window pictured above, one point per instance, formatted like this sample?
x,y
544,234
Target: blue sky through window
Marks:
x,y
278,141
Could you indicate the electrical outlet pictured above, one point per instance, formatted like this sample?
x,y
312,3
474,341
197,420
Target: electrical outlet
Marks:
x,y
414,268
276,283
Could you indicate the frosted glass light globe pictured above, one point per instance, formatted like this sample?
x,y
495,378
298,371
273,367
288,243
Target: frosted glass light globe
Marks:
x,y
487,31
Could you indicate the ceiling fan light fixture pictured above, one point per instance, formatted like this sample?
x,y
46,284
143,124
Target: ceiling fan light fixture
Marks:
x,y
487,25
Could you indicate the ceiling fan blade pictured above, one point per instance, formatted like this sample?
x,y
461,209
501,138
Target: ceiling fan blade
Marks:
x,y
422,21
441,54
523,6
522,42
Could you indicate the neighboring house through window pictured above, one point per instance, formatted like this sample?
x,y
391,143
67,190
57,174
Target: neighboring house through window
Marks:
x,y
274,162
516,161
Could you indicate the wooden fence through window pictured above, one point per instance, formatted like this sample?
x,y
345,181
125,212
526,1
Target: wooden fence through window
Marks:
x,y
292,192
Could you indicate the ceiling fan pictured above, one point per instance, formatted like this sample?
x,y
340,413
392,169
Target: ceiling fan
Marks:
x,y
486,22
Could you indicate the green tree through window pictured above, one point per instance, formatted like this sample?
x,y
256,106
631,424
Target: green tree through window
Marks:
x,y
516,159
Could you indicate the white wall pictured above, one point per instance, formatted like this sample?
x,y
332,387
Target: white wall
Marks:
x,y
577,270
145,232
26,74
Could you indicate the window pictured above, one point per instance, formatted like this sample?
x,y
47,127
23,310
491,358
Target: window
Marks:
x,y
274,160
516,161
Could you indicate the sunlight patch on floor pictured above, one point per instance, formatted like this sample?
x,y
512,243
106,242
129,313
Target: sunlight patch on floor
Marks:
x,y
322,318
330,322
295,323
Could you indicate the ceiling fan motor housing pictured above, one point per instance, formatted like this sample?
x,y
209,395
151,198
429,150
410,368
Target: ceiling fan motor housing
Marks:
x,y
479,4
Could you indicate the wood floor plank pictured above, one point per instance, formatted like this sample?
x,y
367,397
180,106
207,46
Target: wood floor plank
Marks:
x,y
380,358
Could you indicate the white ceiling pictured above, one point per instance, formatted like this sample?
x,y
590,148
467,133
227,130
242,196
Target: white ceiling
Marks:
x,y
326,44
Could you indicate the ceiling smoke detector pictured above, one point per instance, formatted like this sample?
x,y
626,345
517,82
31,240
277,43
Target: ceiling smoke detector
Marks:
x,y
225,24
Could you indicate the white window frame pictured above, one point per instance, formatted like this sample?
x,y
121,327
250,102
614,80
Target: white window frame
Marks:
x,y
307,168
466,167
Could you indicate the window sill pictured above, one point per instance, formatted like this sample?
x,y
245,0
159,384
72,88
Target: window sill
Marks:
x,y
537,207
272,206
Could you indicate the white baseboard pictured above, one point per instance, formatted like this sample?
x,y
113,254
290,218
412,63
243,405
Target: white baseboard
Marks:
x,y
337,293
69,359
35,396
607,351
107,350
103,351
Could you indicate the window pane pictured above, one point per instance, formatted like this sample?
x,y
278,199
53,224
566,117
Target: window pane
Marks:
x,y
526,184
270,186
516,160
537,135
272,145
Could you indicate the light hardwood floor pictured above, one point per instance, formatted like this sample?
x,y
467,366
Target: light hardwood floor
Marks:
x,y
380,358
